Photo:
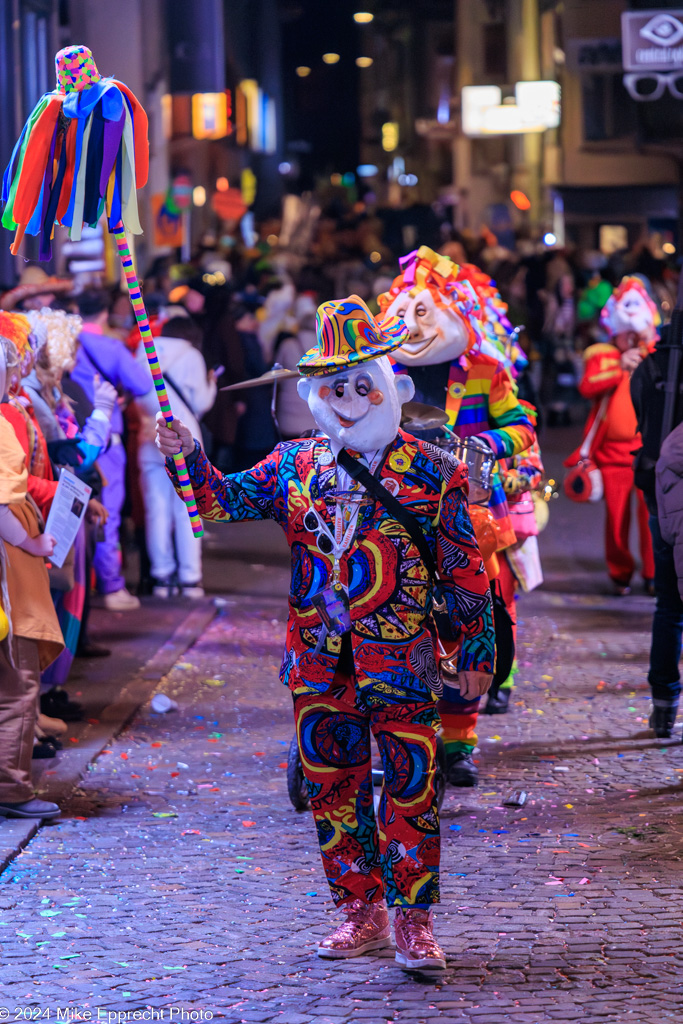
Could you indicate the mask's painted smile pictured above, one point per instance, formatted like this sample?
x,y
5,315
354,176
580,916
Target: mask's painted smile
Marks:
x,y
344,420
415,347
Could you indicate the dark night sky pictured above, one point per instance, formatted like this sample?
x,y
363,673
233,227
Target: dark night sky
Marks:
x,y
322,109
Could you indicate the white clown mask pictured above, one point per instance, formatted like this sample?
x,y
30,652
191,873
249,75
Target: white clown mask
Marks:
x,y
632,313
438,334
358,407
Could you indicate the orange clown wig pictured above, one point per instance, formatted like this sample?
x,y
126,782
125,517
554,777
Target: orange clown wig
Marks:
x,y
425,269
17,329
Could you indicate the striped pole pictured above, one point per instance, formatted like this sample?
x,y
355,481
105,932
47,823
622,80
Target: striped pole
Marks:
x,y
152,358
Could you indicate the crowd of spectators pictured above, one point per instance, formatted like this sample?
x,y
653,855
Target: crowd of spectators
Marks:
x,y
78,396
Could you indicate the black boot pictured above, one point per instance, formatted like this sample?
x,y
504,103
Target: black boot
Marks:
x,y
461,769
662,721
498,703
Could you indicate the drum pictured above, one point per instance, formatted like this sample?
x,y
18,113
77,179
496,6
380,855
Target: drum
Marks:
x,y
480,462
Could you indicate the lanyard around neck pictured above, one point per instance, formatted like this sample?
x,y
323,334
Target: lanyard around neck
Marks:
x,y
346,515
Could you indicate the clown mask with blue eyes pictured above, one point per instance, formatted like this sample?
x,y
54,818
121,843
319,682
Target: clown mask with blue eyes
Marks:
x,y
358,407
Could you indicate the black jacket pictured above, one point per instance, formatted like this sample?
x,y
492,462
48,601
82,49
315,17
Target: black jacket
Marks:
x,y
648,395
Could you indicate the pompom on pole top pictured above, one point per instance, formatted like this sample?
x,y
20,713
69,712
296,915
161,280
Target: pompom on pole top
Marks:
x,y
83,153
76,69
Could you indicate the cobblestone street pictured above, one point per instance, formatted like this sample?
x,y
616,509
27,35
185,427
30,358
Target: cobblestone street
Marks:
x,y
180,876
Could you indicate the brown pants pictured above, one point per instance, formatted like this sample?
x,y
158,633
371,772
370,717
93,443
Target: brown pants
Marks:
x,y
19,689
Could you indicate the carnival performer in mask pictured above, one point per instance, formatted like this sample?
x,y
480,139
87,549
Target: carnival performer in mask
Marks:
x,y
454,367
629,318
360,648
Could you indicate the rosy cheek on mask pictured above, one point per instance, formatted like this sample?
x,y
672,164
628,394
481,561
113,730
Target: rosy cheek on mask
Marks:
x,y
324,391
376,396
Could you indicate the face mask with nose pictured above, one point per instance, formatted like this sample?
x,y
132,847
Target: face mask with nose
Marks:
x,y
358,407
438,333
632,313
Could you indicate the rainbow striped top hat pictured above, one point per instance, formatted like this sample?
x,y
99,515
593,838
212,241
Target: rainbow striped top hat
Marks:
x,y
348,334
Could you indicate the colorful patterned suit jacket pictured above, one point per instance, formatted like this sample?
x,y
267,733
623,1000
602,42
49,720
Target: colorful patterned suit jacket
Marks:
x,y
481,402
393,636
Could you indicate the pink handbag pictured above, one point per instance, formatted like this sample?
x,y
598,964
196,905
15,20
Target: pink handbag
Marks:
x,y
523,516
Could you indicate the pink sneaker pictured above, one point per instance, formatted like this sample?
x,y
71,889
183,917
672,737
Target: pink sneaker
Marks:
x,y
366,927
416,947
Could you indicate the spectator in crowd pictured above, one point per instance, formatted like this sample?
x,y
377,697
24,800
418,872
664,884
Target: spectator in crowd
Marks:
x,y
32,638
35,290
102,355
256,436
294,341
629,321
175,554
67,446
222,350
657,467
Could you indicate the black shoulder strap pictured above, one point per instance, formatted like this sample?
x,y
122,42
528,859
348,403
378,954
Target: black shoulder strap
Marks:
x,y
401,514
169,380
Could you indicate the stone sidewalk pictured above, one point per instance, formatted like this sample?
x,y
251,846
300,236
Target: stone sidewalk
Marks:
x,y
180,878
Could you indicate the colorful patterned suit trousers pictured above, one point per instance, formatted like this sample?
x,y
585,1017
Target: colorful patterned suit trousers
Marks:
x,y
398,861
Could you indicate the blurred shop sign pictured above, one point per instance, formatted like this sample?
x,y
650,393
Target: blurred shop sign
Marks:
x,y
210,115
248,186
168,223
229,204
535,107
593,54
255,117
435,129
652,40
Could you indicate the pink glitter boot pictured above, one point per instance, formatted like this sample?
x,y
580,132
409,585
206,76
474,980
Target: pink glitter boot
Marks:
x,y
416,947
366,927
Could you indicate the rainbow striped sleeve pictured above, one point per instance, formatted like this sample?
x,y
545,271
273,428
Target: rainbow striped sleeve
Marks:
x,y
513,431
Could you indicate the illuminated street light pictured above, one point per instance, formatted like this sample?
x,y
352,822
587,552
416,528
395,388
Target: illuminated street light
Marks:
x,y
375,257
363,17
303,71
331,58
389,136
549,238
199,195
222,184
669,248
364,62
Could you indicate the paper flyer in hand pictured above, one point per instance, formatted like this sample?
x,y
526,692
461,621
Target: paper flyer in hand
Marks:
x,y
66,514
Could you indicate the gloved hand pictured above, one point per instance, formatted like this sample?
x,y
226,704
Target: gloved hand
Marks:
x,y
105,396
